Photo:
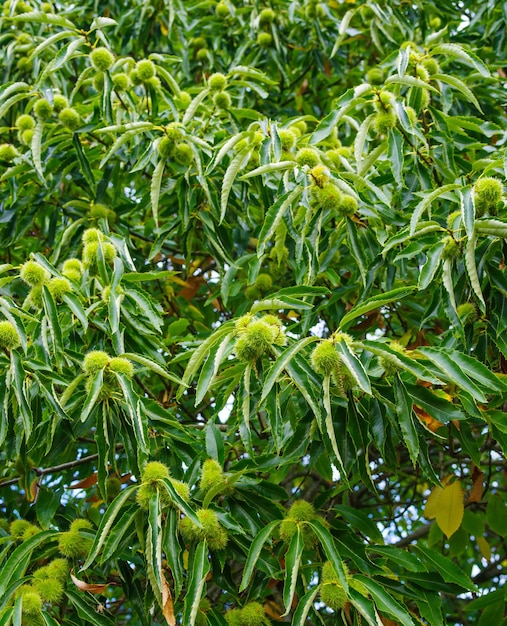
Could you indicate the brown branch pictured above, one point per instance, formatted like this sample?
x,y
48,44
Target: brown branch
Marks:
x,y
58,468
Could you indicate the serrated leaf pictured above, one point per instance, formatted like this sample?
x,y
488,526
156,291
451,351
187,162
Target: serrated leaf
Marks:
x,y
448,570
20,558
354,366
281,363
254,552
405,420
457,51
229,177
428,198
199,569
36,148
106,523
385,602
449,367
472,270
430,267
376,302
269,167
292,563
460,86
274,216
156,182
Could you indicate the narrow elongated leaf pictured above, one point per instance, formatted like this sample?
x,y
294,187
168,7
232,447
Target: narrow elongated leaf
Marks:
x,y
385,602
472,270
281,363
356,248
36,148
156,182
84,164
107,521
478,371
76,307
354,366
460,86
229,177
199,569
426,202
493,227
87,612
275,215
269,167
254,552
330,550
406,233
153,550
360,521
442,410
458,52
429,269
304,606
201,352
468,210
151,365
292,563
19,559
443,566
396,156
178,501
348,100
450,368
376,302
405,419
93,395
329,426
19,389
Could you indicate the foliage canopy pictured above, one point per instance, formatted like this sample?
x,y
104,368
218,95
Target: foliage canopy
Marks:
x,y
253,313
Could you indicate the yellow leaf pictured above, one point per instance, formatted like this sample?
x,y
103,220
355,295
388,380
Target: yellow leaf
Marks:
x,y
431,508
449,514
484,547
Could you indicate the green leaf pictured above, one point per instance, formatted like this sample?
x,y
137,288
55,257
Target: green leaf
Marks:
x,y
274,216
20,557
449,367
179,502
106,523
269,167
156,182
385,602
468,211
93,395
443,566
376,302
429,269
396,156
460,86
19,389
229,177
458,52
354,366
201,353
496,514
255,551
153,550
329,426
361,521
405,420
292,564
151,365
330,550
304,606
442,410
87,612
84,164
74,304
478,371
347,101
471,267
198,570
428,198
36,148
282,362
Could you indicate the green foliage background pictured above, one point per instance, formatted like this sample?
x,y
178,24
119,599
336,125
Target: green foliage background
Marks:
x,y
335,184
